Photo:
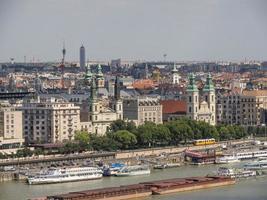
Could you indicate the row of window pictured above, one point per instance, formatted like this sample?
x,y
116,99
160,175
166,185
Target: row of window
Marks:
x,y
196,99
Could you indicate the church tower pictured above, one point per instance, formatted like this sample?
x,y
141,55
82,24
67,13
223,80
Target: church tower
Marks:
x,y
192,98
100,77
209,97
88,75
94,107
118,104
175,76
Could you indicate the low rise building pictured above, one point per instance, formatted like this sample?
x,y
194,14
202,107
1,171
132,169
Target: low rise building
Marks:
x,y
173,109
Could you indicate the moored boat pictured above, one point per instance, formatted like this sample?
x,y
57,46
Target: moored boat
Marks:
x,y
59,175
251,155
226,159
235,173
112,169
260,164
133,170
167,165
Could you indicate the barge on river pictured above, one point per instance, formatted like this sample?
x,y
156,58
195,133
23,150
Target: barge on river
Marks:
x,y
146,189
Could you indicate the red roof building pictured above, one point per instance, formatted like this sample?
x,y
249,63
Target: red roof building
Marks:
x,y
173,109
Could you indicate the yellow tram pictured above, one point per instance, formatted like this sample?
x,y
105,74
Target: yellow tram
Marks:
x,y
204,142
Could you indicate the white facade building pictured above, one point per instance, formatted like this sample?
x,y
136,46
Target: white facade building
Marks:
x,y
11,136
50,121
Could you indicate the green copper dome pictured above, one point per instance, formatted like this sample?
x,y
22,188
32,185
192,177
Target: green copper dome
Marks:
x,y
88,74
99,71
209,84
191,87
93,92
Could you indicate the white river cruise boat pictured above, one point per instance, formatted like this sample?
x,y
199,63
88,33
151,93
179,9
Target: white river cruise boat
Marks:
x,y
227,159
59,175
251,155
133,170
260,164
235,173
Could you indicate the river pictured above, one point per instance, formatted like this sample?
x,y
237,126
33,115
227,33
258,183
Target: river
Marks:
x,y
247,189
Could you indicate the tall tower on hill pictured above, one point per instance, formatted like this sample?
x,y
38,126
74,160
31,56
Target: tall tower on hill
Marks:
x,y
82,58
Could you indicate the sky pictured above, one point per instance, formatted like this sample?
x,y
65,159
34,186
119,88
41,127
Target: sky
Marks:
x,y
184,30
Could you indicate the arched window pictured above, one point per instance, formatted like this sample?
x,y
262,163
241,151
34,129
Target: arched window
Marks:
x,y
190,99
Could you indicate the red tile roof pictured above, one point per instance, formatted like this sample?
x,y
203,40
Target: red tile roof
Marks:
x,y
173,106
143,84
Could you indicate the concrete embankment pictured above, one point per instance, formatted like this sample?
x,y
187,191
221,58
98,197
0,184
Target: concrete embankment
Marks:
x,y
7,176
158,151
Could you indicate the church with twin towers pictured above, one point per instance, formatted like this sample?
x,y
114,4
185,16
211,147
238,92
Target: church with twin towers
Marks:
x,y
101,112
201,105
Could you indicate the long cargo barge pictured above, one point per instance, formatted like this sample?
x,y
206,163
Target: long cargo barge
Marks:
x,y
147,189
112,193
187,184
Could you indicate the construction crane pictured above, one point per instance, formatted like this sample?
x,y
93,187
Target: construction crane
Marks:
x,y
62,66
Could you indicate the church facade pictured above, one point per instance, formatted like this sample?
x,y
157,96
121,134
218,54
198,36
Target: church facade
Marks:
x,y
101,114
201,104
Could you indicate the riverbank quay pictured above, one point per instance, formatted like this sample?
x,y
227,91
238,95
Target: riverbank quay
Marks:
x,y
110,155
12,176
7,176
146,189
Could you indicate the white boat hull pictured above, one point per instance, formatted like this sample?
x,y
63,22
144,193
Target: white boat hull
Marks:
x,y
134,173
226,161
34,181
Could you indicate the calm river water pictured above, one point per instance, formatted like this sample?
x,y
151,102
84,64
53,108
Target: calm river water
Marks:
x,y
248,189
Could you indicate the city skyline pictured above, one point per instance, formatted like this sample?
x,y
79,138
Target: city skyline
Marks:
x,y
133,30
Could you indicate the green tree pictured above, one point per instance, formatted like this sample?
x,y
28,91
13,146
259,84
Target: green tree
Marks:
x,y
144,134
3,156
239,132
83,138
70,147
38,152
161,135
117,125
104,143
224,133
24,152
125,138
121,125
207,130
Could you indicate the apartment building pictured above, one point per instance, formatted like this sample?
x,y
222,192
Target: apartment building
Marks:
x,y
247,107
50,121
10,129
142,109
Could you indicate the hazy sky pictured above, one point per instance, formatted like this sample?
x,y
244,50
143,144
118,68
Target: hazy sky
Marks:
x,y
134,29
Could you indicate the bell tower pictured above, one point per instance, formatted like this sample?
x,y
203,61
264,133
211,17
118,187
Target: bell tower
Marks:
x,y
118,104
192,98
209,95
